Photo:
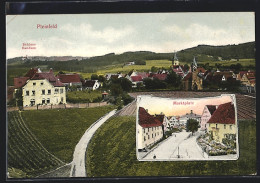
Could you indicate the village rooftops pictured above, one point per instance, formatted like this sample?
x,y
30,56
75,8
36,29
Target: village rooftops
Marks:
x,y
69,78
32,72
146,120
224,114
136,78
20,82
48,76
90,83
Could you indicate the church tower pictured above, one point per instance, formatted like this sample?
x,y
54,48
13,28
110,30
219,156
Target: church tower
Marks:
x,y
194,65
175,59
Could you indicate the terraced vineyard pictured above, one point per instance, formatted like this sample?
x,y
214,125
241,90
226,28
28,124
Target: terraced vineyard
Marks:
x,y
25,153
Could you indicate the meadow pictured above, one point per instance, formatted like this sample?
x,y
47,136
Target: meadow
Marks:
x,y
112,152
84,96
59,130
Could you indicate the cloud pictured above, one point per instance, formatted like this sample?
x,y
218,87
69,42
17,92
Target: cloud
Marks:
x,y
203,34
107,34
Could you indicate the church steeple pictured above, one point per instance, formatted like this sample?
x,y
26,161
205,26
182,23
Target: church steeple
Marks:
x,y
194,65
175,59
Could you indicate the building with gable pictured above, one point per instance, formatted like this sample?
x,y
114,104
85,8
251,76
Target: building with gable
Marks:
x,y
149,129
222,123
43,88
206,115
91,84
70,79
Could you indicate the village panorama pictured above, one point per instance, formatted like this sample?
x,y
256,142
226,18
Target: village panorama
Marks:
x,y
75,116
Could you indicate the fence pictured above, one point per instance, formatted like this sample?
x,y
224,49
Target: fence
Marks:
x,y
60,106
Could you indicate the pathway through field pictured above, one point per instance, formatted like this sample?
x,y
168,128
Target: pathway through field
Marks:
x,y
78,164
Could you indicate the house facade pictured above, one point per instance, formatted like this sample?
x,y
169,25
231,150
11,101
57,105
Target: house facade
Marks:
x,y
222,123
149,129
206,115
43,89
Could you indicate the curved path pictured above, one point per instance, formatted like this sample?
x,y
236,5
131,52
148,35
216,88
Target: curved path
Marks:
x,y
78,164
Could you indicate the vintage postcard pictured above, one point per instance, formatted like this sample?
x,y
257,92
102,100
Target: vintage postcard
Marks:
x,y
130,94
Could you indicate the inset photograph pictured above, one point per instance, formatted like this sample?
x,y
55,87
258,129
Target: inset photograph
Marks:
x,y
175,129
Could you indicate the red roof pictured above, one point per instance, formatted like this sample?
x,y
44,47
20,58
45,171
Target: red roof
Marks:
x,y
48,76
211,108
160,76
69,78
201,69
224,114
146,120
242,73
31,72
136,78
159,117
20,82
89,83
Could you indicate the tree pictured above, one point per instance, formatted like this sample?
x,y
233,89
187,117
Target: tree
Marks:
x,y
173,79
192,125
94,77
186,67
154,69
101,78
116,89
125,84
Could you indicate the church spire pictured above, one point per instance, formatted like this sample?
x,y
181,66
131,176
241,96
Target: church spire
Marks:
x,y
194,64
175,59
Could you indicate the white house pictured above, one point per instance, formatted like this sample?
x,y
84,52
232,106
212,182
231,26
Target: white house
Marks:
x,y
43,89
149,129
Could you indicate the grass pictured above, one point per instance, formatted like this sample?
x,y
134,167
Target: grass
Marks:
x,y
125,69
243,62
84,96
26,156
60,130
112,152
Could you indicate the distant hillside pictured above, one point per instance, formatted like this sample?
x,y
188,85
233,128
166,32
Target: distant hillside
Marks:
x,y
203,53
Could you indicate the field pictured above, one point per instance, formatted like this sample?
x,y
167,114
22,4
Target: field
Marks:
x,y
125,69
26,156
112,153
59,130
83,96
243,62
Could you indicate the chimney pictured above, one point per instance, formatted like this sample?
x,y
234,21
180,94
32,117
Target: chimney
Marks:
x,y
146,110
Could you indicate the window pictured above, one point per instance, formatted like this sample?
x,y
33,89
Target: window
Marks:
x,y
43,92
152,135
216,125
155,134
27,93
33,92
56,90
61,99
144,138
48,100
224,126
148,136
148,129
41,83
144,130
61,90
230,127
49,92
43,101
34,84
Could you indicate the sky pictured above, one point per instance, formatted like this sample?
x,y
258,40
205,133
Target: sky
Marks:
x,y
156,105
98,34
